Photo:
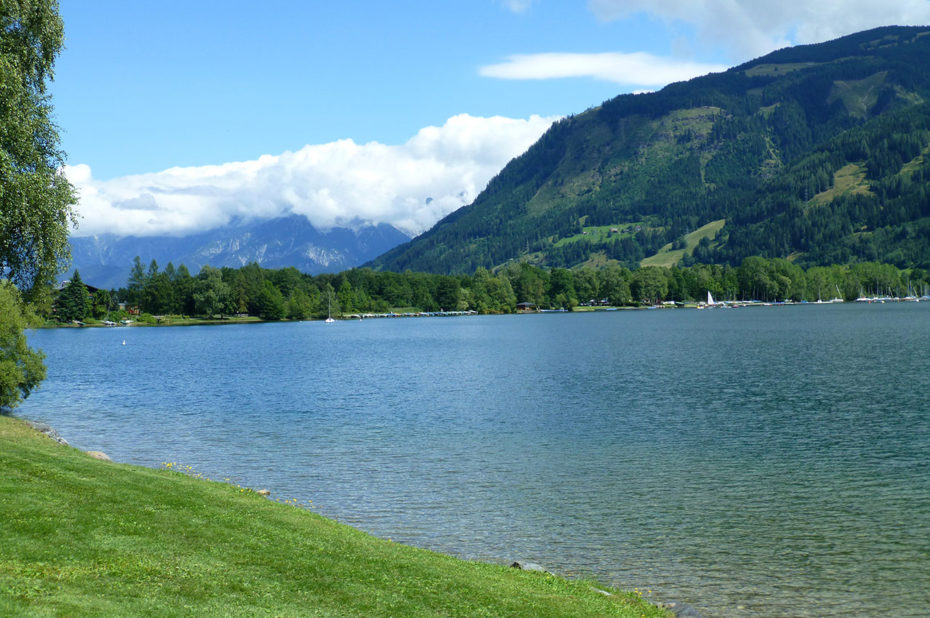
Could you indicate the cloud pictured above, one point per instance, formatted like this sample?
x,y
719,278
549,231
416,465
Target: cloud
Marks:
x,y
634,69
516,6
751,29
410,186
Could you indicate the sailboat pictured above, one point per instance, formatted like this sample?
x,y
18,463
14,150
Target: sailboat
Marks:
x,y
710,299
329,319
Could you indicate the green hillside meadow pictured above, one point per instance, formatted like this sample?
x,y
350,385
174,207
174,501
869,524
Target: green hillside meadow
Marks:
x,y
83,537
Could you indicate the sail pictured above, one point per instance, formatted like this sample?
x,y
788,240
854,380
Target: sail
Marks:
x,y
710,299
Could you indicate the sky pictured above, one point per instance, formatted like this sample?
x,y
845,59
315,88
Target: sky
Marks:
x,y
180,116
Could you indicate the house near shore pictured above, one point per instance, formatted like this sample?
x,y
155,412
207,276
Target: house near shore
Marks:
x,y
90,289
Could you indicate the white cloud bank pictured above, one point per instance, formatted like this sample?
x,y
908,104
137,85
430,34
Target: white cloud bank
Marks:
x,y
410,186
634,69
753,28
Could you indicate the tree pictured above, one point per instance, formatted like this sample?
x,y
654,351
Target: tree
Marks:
x,y
158,295
100,303
448,293
21,368
137,281
649,284
299,305
562,288
346,296
211,293
73,302
613,285
527,282
502,295
330,302
36,200
270,303
183,290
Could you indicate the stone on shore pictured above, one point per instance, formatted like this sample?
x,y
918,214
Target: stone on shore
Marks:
x,y
99,455
47,430
263,492
680,610
530,566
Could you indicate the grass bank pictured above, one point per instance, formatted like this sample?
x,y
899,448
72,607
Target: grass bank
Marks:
x,y
80,536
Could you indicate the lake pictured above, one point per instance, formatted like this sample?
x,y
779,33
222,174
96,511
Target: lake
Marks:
x,y
762,461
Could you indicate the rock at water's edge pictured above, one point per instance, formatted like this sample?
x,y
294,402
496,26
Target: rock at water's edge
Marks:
x,y
47,430
680,610
99,455
530,566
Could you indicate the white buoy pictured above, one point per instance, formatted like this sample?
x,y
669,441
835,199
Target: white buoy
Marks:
x,y
124,342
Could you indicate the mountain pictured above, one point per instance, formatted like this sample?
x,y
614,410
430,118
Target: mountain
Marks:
x,y
104,261
817,153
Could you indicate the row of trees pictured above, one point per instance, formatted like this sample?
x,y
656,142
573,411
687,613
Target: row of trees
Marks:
x,y
288,294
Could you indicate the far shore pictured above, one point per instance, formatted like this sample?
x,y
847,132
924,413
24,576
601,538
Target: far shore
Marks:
x,y
169,320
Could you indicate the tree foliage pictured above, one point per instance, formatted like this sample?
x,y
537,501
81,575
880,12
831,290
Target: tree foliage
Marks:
x,y
74,301
36,201
210,294
21,368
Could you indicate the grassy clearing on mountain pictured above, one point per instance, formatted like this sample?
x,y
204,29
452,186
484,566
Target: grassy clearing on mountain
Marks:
x,y
848,180
599,234
668,257
914,164
769,70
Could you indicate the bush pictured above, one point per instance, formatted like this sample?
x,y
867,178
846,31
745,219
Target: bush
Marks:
x,y
21,367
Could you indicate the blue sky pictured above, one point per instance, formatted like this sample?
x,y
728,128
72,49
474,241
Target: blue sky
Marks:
x,y
177,116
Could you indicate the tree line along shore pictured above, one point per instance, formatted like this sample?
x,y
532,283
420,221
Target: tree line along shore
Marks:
x,y
279,294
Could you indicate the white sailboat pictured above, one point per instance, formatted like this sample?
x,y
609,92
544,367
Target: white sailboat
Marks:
x,y
329,319
710,299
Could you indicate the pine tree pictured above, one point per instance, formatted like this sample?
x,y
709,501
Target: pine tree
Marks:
x,y
74,301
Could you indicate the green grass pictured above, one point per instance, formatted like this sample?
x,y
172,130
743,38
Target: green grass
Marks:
x,y
597,259
83,537
668,257
599,234
914,164
778,69
858,96
848,180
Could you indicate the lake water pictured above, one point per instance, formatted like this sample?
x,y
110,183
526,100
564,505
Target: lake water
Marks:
x,y
750,462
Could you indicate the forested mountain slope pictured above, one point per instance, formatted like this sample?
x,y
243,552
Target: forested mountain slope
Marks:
x,y
817,153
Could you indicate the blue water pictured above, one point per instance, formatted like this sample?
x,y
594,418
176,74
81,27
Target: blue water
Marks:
x,y
750,462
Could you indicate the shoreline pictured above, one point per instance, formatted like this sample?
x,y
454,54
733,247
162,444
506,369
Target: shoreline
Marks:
x,y
87,536
675,608
167,321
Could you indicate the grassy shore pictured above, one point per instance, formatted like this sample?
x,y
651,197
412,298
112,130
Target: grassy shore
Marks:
x,y
80,536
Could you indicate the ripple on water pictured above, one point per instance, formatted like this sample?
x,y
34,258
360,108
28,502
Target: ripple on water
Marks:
x,y
752,462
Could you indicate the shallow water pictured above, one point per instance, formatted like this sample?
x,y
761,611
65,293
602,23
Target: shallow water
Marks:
x,y
759,461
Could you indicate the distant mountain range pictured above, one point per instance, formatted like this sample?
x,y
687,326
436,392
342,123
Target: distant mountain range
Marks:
x,y
105,261
817,153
